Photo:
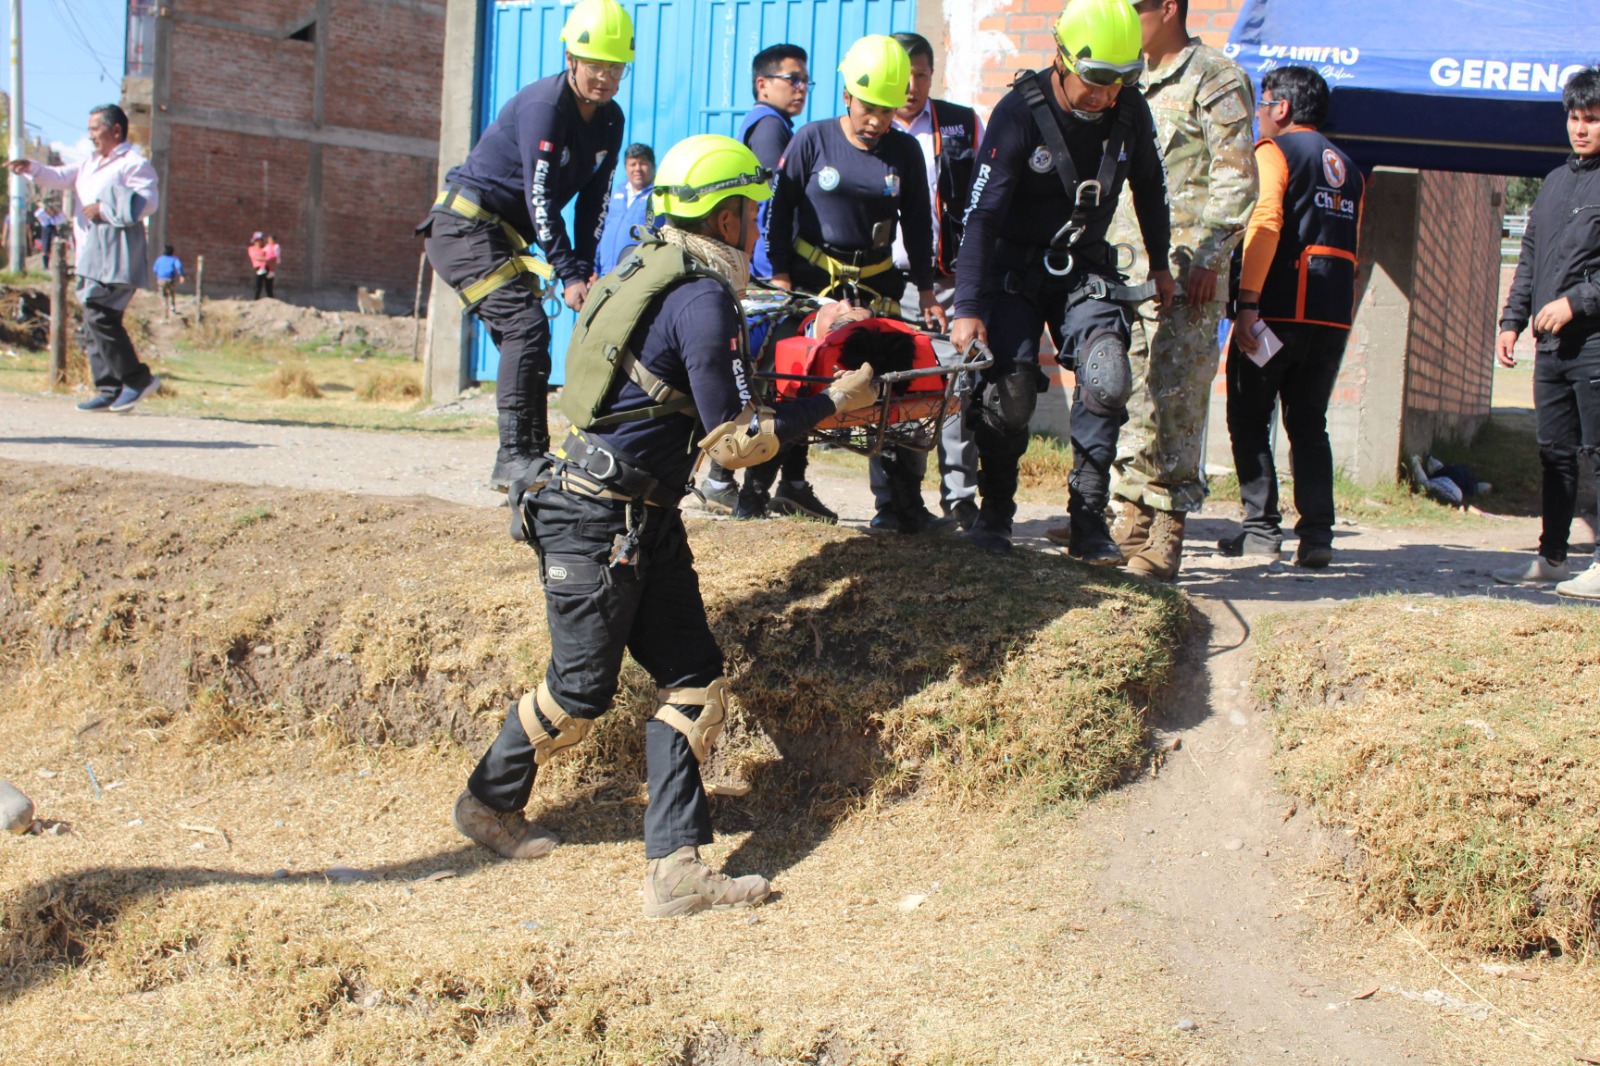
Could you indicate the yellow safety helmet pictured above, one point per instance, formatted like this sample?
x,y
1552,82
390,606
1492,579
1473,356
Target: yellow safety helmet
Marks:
x,y
599,30
1101,41
877,71
700,172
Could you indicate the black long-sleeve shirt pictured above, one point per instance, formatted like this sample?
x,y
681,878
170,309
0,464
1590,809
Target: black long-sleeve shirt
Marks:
x,y
1017,196
536,156
831,192
692,339
1561,256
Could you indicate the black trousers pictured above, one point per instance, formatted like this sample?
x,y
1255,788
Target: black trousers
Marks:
x,y
1566,402
112,359
463,251
652,610
1016,323
264,280
47,237
1300,378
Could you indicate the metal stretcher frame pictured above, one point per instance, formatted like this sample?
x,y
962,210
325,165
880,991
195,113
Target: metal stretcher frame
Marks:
x,y
908,421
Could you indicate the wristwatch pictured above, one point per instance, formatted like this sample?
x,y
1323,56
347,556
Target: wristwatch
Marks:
x,y
1250,306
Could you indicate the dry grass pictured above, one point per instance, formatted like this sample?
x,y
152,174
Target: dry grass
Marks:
x,y
392,386
291,380
313,676
1461,744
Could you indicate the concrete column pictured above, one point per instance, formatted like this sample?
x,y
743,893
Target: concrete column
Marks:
x,y
1365,418
447,366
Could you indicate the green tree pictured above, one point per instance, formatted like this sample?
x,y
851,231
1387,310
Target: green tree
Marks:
x,y
1520,193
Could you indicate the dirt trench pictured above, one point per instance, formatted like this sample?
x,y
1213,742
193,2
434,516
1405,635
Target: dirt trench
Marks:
x,y
1198,859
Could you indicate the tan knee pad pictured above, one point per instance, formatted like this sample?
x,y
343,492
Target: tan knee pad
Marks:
x,y
564,731
703,731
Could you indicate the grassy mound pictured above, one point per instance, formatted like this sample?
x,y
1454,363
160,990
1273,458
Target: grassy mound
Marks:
x,y
870,665
269,684
1461,741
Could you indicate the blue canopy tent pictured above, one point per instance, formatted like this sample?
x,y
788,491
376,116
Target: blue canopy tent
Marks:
x,y
1464,85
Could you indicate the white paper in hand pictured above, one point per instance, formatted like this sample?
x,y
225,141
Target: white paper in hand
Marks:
x,y
1267,343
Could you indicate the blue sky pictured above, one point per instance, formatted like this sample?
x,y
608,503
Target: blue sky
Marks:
x,y
72,52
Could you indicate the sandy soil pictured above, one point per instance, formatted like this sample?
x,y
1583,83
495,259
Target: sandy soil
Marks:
x,y
1201,858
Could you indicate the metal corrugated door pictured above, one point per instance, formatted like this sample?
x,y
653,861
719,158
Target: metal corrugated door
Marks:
x,y
691,75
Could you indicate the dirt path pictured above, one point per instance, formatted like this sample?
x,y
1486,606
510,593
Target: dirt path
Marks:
x,y
1199,861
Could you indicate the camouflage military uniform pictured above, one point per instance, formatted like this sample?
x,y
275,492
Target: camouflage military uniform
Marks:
x,y
1203,104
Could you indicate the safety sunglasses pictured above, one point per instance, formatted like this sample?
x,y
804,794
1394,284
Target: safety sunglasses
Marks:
x,y
688,194
1096,72
796,81
610,71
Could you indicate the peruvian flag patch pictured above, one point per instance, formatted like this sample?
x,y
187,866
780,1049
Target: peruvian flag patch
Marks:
x,y
546,146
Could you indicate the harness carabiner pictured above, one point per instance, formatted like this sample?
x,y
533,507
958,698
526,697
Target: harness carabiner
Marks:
x,y
1051,268
1066,237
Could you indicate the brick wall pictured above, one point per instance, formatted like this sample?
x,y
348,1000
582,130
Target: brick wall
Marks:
x,y
220,186
246,146
1455,306
1027,26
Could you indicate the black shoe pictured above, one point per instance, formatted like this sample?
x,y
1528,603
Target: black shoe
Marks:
x,y
98,402
995,541
797,498
1089,539
885,522
509,467
752,504
925,521
1250,544
1313,556
965,512
718,499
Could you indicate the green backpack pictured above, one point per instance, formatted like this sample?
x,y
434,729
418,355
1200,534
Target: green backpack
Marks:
x,y
598,356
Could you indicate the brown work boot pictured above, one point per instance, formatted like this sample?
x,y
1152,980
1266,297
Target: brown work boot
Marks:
x,y
505,832
1131,526
1163,549
681,884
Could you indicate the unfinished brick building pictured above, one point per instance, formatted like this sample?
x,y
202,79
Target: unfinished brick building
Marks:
x,y
314,120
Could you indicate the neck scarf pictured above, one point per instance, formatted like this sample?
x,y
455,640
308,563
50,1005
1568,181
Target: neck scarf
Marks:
x,y
726,260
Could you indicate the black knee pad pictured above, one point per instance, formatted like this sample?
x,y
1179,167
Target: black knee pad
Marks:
x,y
1104,376
1007,400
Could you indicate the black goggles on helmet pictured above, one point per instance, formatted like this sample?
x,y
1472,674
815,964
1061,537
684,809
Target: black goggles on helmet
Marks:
x,y
688,194
1099,72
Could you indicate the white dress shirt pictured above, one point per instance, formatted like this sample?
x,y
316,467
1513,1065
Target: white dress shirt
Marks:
x,y
922,129
91,178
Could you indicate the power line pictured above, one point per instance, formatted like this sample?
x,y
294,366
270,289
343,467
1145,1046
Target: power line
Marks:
x,y
64,16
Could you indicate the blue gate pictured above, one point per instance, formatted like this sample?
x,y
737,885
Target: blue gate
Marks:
x,y
691,75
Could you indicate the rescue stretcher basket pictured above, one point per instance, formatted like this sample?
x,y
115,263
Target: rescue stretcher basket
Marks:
x,y
912,403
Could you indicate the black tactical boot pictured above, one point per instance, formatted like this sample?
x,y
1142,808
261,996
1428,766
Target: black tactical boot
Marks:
x,y
1089,539
518,450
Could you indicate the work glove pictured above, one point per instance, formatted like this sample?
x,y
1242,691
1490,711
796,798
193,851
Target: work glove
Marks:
x,y
853,390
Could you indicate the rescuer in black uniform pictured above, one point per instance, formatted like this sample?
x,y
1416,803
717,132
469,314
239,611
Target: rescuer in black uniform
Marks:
x,y
844,187
846,184
664,359
781,82
555,139
1035,255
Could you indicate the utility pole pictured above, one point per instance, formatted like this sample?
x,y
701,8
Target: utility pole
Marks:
x,y
19,191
